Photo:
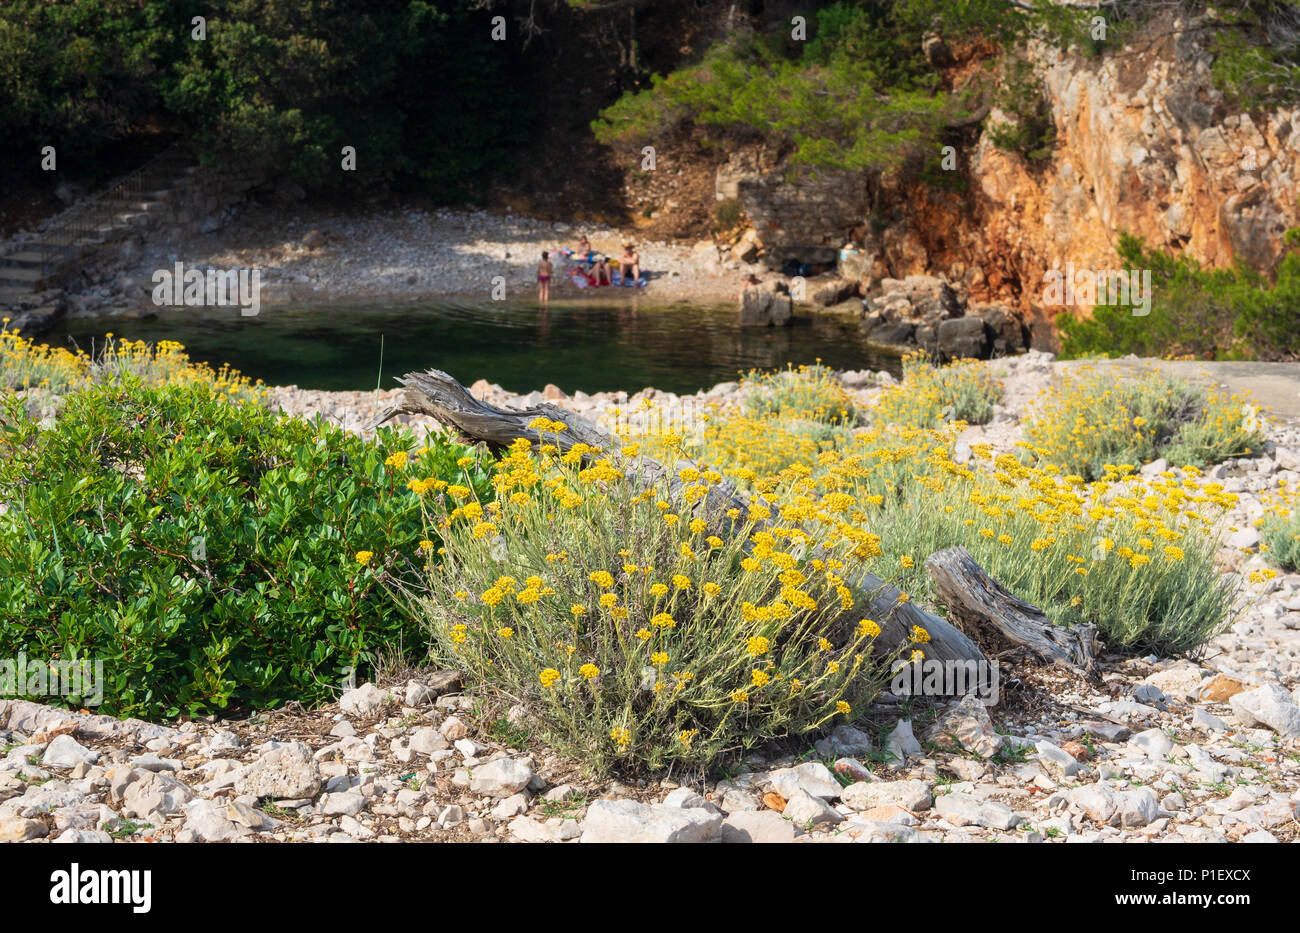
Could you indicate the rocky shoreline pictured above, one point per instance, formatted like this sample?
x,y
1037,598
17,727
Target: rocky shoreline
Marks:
x,y
311,256
1202,749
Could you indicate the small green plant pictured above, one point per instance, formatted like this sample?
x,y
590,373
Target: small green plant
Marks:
x,y
1280,534
508,733
270,808
566,807
727,215
126,828
1011,755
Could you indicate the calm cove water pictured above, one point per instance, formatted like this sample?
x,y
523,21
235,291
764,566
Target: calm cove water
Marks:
x,y
576,346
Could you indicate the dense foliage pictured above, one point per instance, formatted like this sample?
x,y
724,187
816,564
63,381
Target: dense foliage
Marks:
x,y
78,75
1233,313
210,553
859,95
427,97
419,89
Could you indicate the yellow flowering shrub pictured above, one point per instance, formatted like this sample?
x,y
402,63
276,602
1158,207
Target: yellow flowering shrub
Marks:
x,y
929,396
1280,534
1093,421
1130,554
26,364
806,393
649,642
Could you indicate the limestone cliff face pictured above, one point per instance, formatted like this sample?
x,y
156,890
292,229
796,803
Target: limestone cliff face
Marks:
x,y
1144,144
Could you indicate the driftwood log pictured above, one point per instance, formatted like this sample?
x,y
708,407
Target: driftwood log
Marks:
x,y
436,394
439,396
976,599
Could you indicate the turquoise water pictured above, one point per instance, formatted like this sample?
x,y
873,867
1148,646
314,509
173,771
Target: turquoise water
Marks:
x,y
575,346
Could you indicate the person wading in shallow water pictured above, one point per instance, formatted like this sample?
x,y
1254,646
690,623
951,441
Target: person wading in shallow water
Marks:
x,y
544,279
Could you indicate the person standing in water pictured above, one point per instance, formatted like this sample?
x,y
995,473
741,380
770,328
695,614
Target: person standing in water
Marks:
x,y
544,278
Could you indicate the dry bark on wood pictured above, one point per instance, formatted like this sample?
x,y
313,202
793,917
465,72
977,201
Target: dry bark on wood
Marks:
x,y
438,395
976,599
441,397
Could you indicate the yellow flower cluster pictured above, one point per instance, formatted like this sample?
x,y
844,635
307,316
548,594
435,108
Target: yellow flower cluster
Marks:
x,y
26,364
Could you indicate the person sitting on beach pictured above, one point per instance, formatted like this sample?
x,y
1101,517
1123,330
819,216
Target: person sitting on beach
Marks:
x,y
600,272
583,252
544,278
629,264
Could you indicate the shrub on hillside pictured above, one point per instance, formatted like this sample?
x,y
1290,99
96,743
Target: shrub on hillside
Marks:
x,y
210,553
1093,422
636,635
1027,127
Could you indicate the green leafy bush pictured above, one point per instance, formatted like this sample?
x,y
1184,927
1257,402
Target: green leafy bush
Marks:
x,y
1280,533
77,75
206,550
1208,313
279,85
635,636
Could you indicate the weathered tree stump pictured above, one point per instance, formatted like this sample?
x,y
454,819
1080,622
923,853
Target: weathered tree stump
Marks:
x,y
976,599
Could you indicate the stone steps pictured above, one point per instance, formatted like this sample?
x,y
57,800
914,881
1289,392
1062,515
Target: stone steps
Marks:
x,y
17,274
109,219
